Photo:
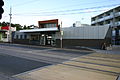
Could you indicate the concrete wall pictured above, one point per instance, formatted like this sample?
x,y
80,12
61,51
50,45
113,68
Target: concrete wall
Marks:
x,y
89,36
85,32
93,43
21,41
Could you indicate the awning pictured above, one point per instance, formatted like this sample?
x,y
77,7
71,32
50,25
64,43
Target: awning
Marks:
x,y
41,30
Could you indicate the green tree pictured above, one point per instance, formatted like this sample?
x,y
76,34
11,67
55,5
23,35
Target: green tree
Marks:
x,y
24,27
18,27
4,23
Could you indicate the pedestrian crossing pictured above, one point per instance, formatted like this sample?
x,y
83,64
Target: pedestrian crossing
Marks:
x,y
96,66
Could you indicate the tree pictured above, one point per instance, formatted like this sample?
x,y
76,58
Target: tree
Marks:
x,y
4,23
24,27
18,27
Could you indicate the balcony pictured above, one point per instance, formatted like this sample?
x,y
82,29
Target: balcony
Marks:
x,y
117,14
110,24
107,25
94,21
104,18
117,23
101,19
108,17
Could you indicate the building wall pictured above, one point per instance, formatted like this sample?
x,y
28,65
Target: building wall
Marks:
x,y
20,38
48,23
112,19
85,32
3,36
21,41
92,43
90,36
0,36
4,32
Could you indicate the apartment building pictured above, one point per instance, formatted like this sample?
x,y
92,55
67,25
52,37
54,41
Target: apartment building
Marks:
x,y
112,19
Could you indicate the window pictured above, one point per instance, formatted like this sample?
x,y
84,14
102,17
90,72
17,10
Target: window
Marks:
x,y
16,36
25,36
4,35
55,25
47,25
21,36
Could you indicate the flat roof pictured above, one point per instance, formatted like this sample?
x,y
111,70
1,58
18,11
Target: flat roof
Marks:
x,y
41,30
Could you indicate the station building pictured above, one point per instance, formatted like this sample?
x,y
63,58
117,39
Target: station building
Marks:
x,y
44,35
50,33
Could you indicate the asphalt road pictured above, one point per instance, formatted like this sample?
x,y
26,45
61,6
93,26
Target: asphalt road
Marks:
x,y
10,65
15,59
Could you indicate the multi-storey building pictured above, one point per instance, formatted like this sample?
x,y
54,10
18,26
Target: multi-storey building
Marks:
x,y
111,18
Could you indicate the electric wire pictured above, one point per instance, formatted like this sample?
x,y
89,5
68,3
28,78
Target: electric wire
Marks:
x,y
59,14
72,11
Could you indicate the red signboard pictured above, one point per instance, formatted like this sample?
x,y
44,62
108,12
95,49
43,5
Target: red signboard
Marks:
x,y
5,28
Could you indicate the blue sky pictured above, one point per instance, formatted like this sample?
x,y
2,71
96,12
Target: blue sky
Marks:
x,y
28,12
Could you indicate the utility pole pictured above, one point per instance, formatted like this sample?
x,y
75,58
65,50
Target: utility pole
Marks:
x,y
61,34
10,33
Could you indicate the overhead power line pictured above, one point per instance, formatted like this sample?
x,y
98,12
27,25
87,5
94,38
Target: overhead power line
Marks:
x,y
72,10
81,9
33,1
77,5
60,13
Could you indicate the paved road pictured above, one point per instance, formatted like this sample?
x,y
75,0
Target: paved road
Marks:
x,y
15,59
47,55
64,64
95,66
